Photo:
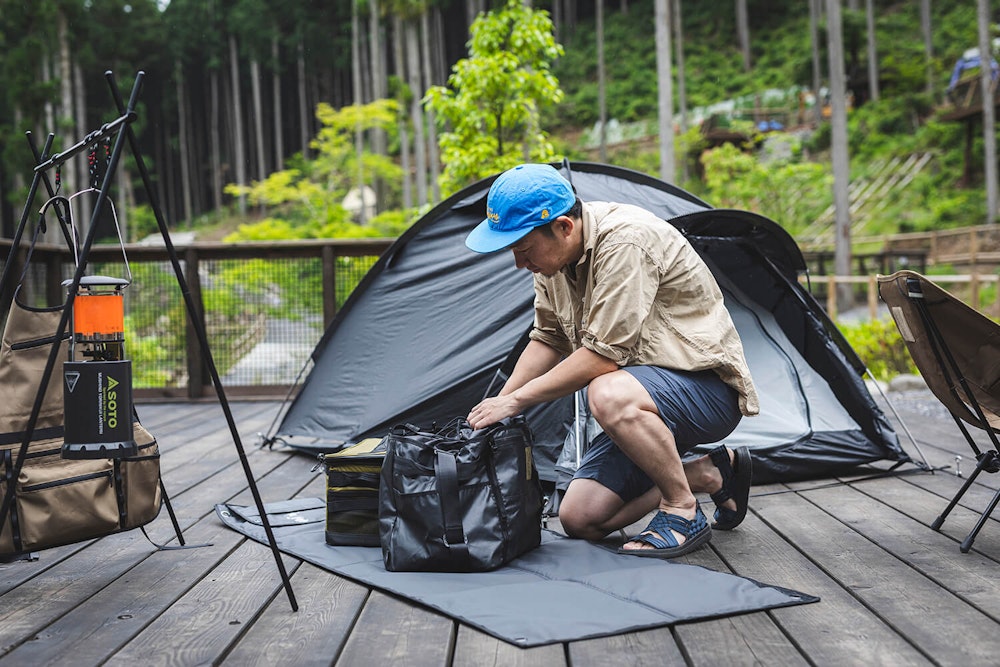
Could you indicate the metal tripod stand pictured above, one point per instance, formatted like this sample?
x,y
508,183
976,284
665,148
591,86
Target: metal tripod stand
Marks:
x,y
121,132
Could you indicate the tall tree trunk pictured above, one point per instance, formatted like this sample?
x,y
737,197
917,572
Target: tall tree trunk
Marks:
x,y
184,140
279,125
434,162
557,20
70,169
126,202
569,18
214,139
84,204
195,113
258,117
239,148
925,26
988,86
380,90
681,76
359,97
743,32
416,109
473,8
19,183
404,132
681,70
814,17
440,53
602,102
305,113
160,159
665,97
841,173
873,88
48,109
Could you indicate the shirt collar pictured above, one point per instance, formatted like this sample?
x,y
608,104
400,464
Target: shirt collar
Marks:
x,y
589,240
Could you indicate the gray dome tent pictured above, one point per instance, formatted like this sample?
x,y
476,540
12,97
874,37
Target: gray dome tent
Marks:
x,y
433,327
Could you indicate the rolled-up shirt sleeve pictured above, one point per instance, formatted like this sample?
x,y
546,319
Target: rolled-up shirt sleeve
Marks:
x,y
547,328
621,301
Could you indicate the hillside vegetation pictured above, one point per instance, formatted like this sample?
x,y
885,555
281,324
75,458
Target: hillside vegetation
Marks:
x,y
783,175
786,175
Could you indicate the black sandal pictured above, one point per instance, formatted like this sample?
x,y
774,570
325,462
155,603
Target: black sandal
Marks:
x,y
736,478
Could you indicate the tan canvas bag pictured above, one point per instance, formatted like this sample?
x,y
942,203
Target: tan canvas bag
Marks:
x,y
59,501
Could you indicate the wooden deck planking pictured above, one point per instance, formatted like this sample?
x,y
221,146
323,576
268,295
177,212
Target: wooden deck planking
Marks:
x,y
893,591
836,630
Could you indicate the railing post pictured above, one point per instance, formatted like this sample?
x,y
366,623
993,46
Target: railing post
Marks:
x,y
195,364
831,296
329,259
872,299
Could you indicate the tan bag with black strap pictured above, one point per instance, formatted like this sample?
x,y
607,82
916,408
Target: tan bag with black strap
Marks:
x,y
59,501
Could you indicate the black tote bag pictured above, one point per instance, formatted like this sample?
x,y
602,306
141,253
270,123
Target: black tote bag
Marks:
x,y
458,500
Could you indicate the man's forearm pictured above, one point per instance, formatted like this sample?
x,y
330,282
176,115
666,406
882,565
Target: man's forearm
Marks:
x,y
536,359
572,373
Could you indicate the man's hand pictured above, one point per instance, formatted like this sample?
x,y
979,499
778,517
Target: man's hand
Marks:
x,y
492,410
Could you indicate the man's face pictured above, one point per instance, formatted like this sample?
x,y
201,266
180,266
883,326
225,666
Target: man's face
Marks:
x,y
541,251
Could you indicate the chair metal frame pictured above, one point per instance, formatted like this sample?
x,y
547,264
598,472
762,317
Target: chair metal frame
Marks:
x,y
986,460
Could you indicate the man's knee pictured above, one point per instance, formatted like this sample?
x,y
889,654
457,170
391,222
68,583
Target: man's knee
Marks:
x,y
577,522
578,518
612,397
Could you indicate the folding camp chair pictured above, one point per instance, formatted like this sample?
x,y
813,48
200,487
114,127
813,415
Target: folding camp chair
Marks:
x,y
957,351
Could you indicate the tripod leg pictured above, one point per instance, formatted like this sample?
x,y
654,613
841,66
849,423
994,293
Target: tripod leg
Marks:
x,y
170,513
198,325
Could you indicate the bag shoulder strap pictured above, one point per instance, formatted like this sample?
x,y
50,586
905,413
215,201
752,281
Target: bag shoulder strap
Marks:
x,y
446,472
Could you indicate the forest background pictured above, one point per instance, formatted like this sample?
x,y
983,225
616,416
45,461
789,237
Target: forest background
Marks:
x,y
266,120
254,92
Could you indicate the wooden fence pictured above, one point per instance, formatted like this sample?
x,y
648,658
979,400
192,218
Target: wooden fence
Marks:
x,y
279,298
283,294
969,288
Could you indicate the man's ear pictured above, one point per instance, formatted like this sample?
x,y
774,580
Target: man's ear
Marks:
x,y
564,225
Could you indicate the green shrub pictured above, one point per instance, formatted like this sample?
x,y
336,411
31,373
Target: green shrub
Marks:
x,y
880,347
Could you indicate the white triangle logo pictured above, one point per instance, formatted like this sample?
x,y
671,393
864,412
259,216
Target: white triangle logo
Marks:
x,y
72,377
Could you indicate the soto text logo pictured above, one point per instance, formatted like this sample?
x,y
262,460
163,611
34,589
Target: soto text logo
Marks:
x,y
111,403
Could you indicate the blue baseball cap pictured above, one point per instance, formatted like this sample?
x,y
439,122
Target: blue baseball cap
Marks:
x,y
522,198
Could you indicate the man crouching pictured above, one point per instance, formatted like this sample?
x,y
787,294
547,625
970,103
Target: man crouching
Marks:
x,y
625,307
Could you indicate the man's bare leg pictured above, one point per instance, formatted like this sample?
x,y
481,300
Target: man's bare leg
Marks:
x,y
628,415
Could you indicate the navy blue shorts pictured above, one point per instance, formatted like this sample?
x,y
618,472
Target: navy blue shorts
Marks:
x,y
697,407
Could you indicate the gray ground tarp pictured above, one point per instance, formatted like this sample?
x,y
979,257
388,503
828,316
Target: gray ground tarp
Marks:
x,y
565,590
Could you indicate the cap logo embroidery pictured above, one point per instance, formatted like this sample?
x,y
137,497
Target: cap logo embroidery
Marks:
x,y
545,214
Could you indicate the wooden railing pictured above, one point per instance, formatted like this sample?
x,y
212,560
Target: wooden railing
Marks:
x,y
239,290
969,288
294,286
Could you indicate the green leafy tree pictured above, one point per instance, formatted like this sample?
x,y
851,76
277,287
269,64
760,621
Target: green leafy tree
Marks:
x,y
490,110
790,192
305,200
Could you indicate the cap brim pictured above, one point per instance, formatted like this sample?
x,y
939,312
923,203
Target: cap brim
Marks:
x,y
483,239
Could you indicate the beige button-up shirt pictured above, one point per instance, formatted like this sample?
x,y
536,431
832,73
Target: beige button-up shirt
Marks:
x,y
641,296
